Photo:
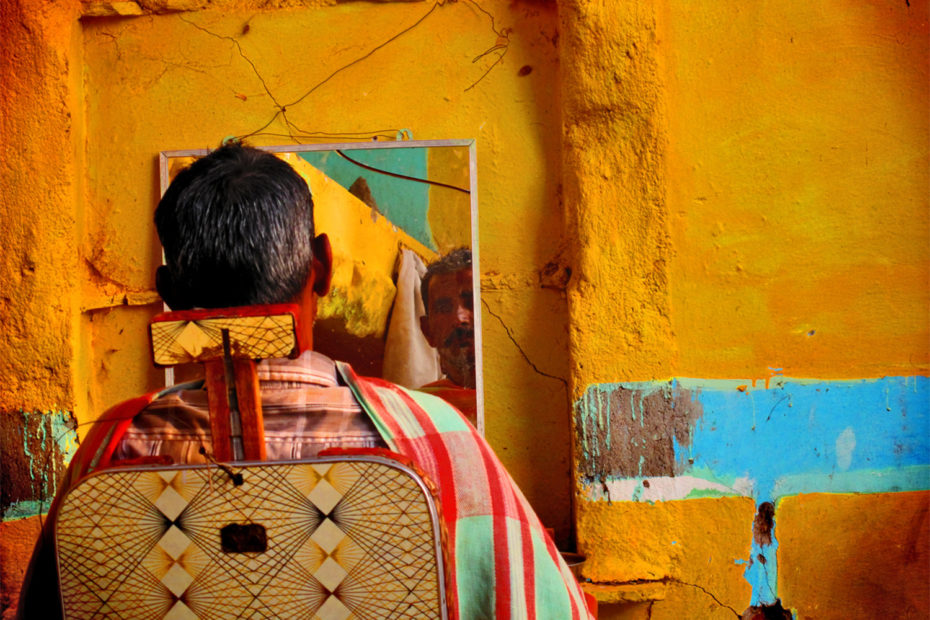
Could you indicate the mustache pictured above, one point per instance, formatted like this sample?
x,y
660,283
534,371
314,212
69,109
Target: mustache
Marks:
x,y
460,335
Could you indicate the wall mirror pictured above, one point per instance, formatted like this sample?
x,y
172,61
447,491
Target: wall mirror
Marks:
x,y
390,209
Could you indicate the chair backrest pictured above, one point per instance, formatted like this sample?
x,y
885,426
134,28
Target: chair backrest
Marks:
x,y
332,538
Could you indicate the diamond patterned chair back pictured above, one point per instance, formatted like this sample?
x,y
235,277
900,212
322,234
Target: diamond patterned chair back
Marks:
x,y
330,539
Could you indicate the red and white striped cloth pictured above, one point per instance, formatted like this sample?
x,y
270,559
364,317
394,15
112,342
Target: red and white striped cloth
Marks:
x,y
504,564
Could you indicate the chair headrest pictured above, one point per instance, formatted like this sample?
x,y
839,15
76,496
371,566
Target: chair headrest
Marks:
x,y
243,332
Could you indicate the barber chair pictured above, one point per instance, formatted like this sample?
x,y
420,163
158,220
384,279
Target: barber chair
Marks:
x,y
337,537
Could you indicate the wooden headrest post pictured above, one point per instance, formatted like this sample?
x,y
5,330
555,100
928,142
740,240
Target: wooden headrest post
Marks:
x,y
235,407
228,341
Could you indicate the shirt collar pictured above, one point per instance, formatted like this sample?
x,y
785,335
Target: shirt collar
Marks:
x,y
310,367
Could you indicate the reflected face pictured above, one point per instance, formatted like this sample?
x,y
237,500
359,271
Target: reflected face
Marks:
x,y
449,325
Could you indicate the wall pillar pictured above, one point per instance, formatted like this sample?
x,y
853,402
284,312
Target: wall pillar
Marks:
x,y
614,145
40,129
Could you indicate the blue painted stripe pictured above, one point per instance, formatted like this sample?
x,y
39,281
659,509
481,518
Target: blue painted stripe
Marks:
x,y
803,437
795,436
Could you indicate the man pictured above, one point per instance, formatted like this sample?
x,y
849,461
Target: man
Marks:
x,y
449,327
237,229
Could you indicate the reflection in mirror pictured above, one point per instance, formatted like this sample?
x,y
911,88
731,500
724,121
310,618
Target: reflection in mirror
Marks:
x,y
391,209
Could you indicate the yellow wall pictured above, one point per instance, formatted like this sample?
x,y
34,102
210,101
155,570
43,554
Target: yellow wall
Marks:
x,y
80,246
40,206
850,554
759,173
665,189
798,188
614,149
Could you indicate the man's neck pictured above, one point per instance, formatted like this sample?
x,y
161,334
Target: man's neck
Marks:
x,y
306,301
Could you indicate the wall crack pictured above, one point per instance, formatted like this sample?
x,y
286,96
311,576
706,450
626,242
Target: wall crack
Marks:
x,y
671,581
245,57
708,593
523,354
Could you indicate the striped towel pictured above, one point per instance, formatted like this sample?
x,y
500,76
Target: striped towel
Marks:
x,y
504,565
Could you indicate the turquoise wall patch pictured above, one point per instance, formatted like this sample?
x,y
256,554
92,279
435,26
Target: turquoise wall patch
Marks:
x,y
36,447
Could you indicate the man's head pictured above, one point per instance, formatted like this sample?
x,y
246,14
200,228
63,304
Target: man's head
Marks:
x,y
449,321
237,229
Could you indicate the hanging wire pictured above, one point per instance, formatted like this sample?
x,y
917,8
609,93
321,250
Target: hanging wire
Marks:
x,y
502,45
361,58
283,109
401,176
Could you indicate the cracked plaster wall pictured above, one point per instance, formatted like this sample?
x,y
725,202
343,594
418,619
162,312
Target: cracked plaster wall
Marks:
x,y
97,89
39,134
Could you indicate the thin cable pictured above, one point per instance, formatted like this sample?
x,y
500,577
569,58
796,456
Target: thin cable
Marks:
x,y
361,58
386,133
259,130
357,134
498,46
301,138
401,176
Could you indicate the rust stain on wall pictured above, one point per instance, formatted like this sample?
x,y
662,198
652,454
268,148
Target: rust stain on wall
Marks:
x,y
767,612
764,523
631,432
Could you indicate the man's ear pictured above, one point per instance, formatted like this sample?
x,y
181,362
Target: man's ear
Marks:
x,y
322,264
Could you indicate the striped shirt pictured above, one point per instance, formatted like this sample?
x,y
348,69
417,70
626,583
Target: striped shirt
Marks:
x,y
304,408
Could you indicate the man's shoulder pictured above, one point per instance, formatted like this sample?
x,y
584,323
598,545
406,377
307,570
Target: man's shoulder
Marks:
x,y
462,398
415,405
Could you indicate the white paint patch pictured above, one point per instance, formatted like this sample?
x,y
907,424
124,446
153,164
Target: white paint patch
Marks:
x,y
663,488
845,445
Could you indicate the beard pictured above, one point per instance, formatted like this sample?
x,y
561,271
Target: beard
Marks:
x,y
457,354
460,337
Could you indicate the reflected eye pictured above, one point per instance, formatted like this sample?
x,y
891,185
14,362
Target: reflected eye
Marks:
x,y
443,305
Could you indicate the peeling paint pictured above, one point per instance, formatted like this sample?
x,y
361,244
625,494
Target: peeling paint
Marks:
x,y
796,436
37,447
763,524
773,611
846,432
663,488
632,430
762,567
846,440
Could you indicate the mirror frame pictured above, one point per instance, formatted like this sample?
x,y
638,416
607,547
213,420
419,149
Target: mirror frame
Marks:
x,y
164,158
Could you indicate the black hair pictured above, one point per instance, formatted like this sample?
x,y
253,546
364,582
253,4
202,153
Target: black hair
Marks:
x,y
456,260
236,227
